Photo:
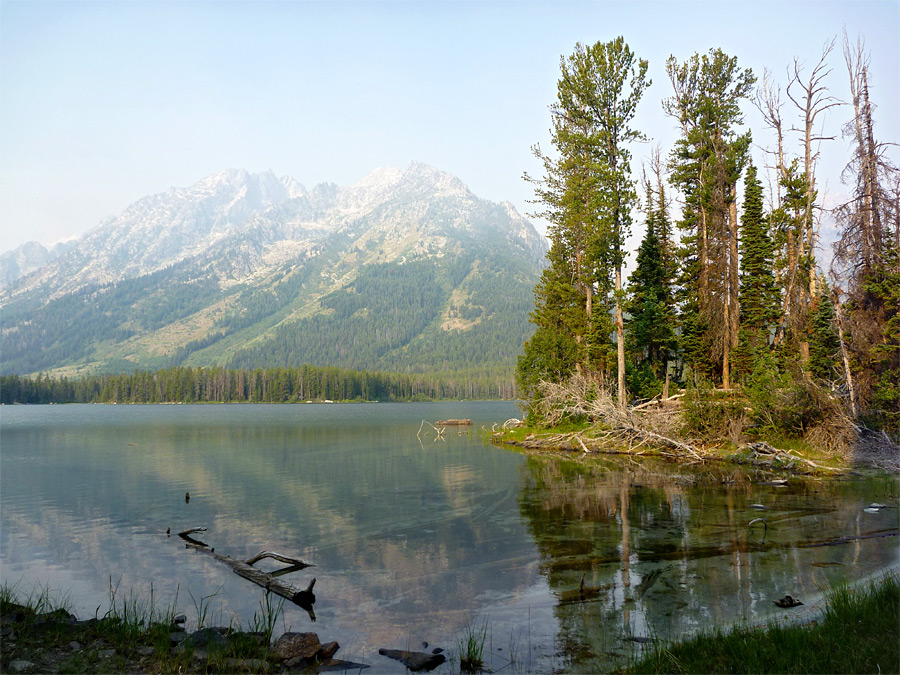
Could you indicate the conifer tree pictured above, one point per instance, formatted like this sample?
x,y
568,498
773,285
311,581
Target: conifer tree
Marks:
x,y
824,345
651,327
867,260
706,164
588,194
758,293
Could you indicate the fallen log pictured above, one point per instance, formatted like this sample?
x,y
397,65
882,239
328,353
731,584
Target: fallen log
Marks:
x,y
303,598
454,423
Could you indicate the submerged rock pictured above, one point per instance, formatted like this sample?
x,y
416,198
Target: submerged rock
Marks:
x,y
415,661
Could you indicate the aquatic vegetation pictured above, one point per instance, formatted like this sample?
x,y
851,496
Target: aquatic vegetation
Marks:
x,y
471,646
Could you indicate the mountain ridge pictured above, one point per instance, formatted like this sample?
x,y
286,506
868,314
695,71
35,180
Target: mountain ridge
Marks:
x,y
229,266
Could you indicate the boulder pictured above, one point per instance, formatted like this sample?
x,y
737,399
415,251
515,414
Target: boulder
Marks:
x,y
207,636
298,646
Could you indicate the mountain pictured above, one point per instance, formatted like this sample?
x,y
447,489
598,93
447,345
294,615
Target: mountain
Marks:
x,y
404,271
28,257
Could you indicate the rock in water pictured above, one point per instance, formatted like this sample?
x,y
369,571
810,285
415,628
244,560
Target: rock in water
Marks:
x,y
415,661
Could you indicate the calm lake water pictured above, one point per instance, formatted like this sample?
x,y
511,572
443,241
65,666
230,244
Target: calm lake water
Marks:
x,y
413,538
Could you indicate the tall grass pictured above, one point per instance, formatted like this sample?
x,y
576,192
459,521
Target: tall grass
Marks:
x,y
859,632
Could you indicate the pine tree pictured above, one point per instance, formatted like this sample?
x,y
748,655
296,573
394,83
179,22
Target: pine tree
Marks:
x,y
824,345
588,194
706,163
651,327
867,260
758,293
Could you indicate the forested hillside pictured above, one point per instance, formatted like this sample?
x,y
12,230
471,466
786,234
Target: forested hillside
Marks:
x,y
406,271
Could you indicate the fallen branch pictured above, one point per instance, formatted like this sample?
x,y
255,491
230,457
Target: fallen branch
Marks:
x,y
267,580
280,558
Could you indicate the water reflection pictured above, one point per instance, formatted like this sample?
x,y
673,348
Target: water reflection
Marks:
x,y
409,542
569,562
636,550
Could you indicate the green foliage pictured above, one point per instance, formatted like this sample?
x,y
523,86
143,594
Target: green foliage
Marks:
x,y
824,345
549,355
706,163
470,647
643,383
764,388
271,385
588,194
651,325
759,296
882,288
400,317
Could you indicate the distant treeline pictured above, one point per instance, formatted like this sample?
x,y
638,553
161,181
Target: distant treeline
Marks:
x,y
269,385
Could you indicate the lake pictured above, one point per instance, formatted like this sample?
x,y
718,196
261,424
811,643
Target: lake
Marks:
x,y
565,561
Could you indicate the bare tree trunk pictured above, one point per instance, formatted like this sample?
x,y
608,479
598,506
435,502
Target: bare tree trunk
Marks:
x,y
839,310
620,339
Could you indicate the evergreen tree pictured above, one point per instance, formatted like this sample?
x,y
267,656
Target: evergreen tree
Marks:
x,y
867,258
824,345
706,164
758,293
651,327
588,194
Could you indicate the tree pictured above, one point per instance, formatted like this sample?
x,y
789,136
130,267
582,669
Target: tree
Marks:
x,y
706,164
811,101
758,294
867,261
587,191
824,344
651,327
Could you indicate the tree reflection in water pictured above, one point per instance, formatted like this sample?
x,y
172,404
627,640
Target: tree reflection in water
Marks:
x,y
637,549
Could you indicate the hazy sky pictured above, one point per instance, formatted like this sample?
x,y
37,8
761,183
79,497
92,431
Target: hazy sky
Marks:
x,y
102,103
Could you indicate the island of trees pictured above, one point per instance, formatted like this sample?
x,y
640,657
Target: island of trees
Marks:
x,y
726,297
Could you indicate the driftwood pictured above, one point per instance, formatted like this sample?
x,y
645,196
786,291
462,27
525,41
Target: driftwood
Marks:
x,y
581,397
763,449
437,430
303,598
454,423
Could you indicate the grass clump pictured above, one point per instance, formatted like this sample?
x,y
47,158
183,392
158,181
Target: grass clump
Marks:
x,y
858,633
471,647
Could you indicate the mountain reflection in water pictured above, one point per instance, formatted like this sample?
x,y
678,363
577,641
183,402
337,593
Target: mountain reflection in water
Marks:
x,y
571,562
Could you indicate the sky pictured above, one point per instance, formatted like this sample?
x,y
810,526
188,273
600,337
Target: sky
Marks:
x,y
103,103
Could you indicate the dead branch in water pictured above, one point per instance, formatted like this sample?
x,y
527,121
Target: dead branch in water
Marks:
x,y
267,580
438,431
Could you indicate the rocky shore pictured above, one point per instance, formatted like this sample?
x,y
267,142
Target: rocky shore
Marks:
x,y
58,642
